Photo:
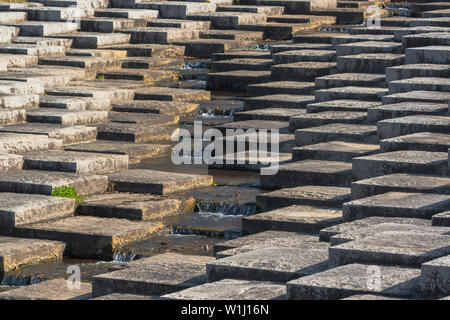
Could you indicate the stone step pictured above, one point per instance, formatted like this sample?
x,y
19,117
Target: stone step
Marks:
x,y
344,93
400,182
341,105
8,33
178,9
434,277
260,54
160,35
67,117
308,120
351,79
334,151
44,28
16,252
156,182
337,132
55,132
129,206
77,162
20,87
12,116
241,64
352,279
179,23
346,39
320,196
89,89
10,162
404,161
291,101
267,239
22,209
77,3
284,142
228,20
368,62
157,107
309,172
149,50
256,125
293,7
368,47
426,39
231,289
295,218
417,96
44,41
88,63
430,22
396,204
108,25
412,124
302,262
317,37
55,289
32,50
276,48
414,84
346,15
403,109
22,143
251,161
441,219
171,94
135,151
9,61
417,70
149,77
58,14
422,141
240,35
150,63
41,182
302,71
127,13
417,248
429,54
286,57
235,80
144,119
275,114
206,48
134,132
432,6
436,13
91,237
74,103
299,18
267,10
281,87
149,275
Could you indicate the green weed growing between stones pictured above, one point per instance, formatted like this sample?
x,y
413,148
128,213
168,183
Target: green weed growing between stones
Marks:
x,y
67,192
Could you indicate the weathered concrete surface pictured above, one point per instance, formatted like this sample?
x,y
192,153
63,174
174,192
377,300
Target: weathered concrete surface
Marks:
x,y
304,195
78,162
230,289
44,182
20,209
397,204
390,128
294,218
435,277
10,162
441,219
270,264
352,279
129,206
423,141
400,182
328,232
15,252
56,289
157,275
408,248
91,237
158,182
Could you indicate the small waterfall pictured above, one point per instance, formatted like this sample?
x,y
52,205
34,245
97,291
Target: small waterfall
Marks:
x,y
123,257
19,281
227,209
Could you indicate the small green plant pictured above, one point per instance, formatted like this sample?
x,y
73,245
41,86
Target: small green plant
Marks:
x,y
67,192
101,77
